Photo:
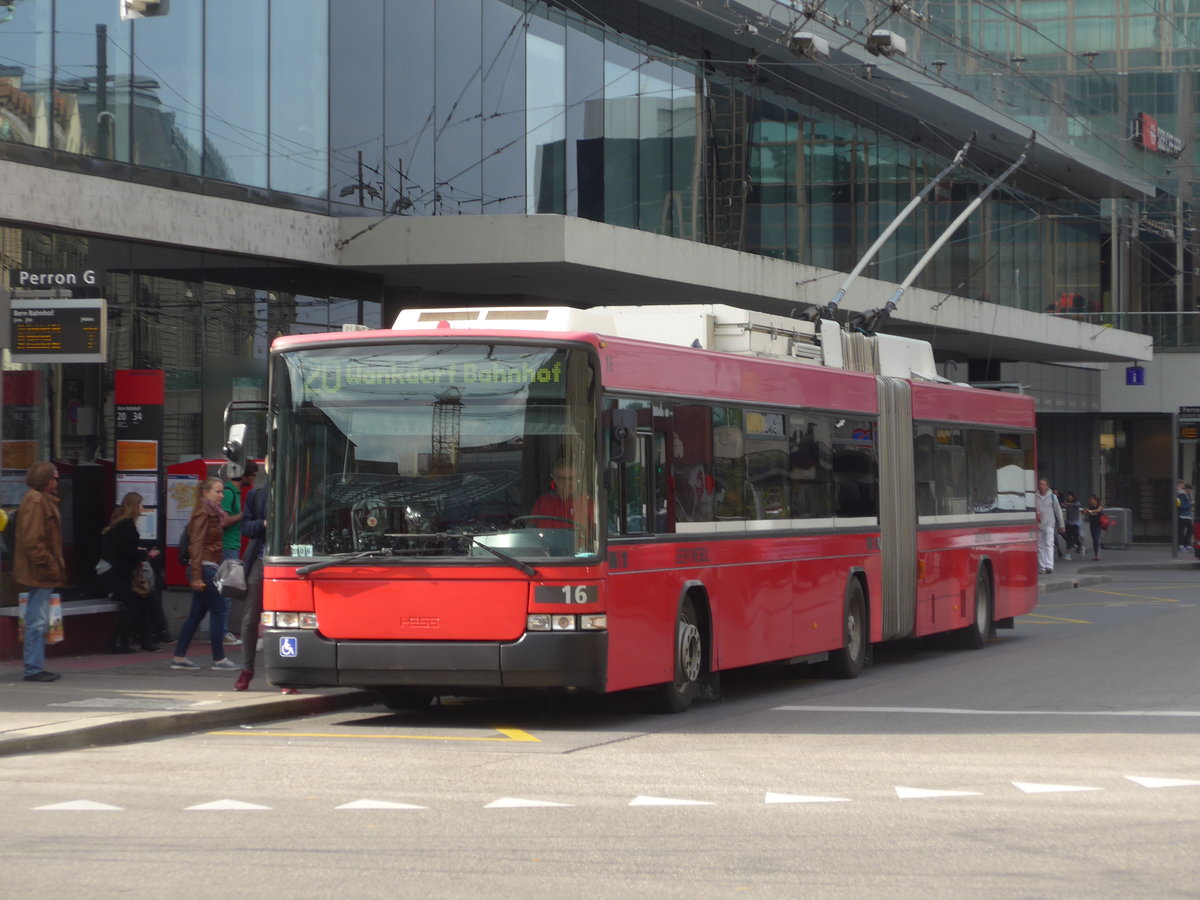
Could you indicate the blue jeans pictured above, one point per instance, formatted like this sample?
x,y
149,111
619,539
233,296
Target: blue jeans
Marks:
x,y
229,553
36,613
206,602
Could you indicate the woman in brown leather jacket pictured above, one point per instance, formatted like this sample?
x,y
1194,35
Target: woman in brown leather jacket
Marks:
x,y
205,529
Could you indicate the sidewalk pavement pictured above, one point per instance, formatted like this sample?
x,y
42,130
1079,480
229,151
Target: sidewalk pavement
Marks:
x,y
1083,571
118,698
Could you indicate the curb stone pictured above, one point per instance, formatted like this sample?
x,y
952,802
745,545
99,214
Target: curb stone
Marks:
x,y
124,730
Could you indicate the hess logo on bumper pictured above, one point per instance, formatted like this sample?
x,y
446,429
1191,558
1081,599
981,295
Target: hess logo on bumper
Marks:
x,y
422,622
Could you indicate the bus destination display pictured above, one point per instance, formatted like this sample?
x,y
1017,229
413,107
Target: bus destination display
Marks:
x,y
59,330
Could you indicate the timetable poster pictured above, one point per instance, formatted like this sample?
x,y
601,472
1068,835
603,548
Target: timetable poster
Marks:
x,y
138,396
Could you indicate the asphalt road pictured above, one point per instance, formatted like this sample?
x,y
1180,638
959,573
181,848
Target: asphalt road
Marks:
x,y
1061,761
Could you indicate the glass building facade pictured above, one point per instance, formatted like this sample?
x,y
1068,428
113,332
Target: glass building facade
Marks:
x,y
612,111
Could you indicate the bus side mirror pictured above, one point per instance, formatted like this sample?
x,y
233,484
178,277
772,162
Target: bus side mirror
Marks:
x,y
235,451
622,436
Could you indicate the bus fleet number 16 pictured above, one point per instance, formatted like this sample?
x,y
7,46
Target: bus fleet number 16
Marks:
x,y
566,593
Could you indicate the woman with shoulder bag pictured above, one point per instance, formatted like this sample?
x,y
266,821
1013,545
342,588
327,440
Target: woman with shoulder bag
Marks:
x,y
205,530
120,547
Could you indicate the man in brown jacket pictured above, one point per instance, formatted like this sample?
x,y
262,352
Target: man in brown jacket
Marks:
x,y
38,561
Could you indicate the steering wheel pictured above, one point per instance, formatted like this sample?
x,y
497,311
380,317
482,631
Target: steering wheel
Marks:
x,y
519,521
368,515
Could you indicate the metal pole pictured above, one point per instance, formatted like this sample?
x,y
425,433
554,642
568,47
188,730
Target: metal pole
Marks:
x,y
872,321
1173,516
954,226
103,116
812,313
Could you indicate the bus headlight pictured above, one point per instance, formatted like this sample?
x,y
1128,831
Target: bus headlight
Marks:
x,y
566,622
305,620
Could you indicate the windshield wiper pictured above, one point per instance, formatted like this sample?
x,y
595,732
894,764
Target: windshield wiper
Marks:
x,y
339,559
342,559
500,554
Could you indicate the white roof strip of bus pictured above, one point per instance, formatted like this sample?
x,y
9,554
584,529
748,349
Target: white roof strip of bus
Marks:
x,y
506,318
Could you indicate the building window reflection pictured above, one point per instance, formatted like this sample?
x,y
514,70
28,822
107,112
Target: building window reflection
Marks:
x,y
466,107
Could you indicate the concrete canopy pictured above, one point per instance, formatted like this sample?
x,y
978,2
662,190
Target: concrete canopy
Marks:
x,y
509,260
561,260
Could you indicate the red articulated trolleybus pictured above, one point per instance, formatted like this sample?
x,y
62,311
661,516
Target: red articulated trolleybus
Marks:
x,y
493,499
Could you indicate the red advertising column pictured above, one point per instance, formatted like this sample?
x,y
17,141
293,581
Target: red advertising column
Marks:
x,y
138,397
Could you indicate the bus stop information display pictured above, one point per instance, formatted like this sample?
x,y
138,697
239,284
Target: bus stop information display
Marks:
x,y
62,331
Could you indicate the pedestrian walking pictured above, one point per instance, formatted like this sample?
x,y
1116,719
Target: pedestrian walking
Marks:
x,y
1049,522
254,527
38,562
1183,512
1094,512
1072,510
205,529
231,536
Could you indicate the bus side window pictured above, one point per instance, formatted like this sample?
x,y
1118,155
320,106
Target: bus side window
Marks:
x,y
692,464
855,474
631,481
729,464
923,464
950,468
983,492
810,465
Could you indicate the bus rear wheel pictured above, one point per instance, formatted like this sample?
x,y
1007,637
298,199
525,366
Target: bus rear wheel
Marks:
x,y
848,662
676,696
975,635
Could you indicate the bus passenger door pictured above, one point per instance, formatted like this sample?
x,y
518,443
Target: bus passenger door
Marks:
x,y
631,500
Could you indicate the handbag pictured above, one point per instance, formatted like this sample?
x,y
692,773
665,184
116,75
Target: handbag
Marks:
x,y
54,618
230,580
1105,521
142,584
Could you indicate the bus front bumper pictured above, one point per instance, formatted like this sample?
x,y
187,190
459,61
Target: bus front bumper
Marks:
x,y
557,659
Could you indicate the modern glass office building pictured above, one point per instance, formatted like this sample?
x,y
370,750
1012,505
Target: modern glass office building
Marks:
x,y
618,112
234,170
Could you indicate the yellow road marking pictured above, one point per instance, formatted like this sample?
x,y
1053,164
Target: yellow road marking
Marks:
x,y
511,735
1053,619
1135,596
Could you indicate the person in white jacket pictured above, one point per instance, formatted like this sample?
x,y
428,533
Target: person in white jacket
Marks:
x,y
1049,523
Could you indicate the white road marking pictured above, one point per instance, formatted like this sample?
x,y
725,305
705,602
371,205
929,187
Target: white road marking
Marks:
x,y
518,803
1150,782
933,710
88,805
378,804
802,798
1031,788
666,801
903,793
227,804
907,793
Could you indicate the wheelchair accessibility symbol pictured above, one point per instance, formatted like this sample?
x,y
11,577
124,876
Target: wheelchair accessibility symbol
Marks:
x,y
287,647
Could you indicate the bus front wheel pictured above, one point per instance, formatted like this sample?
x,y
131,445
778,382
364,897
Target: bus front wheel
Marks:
x,y
676,696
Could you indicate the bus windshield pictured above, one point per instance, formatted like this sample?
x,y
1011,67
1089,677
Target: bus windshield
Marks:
x,y
413,451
